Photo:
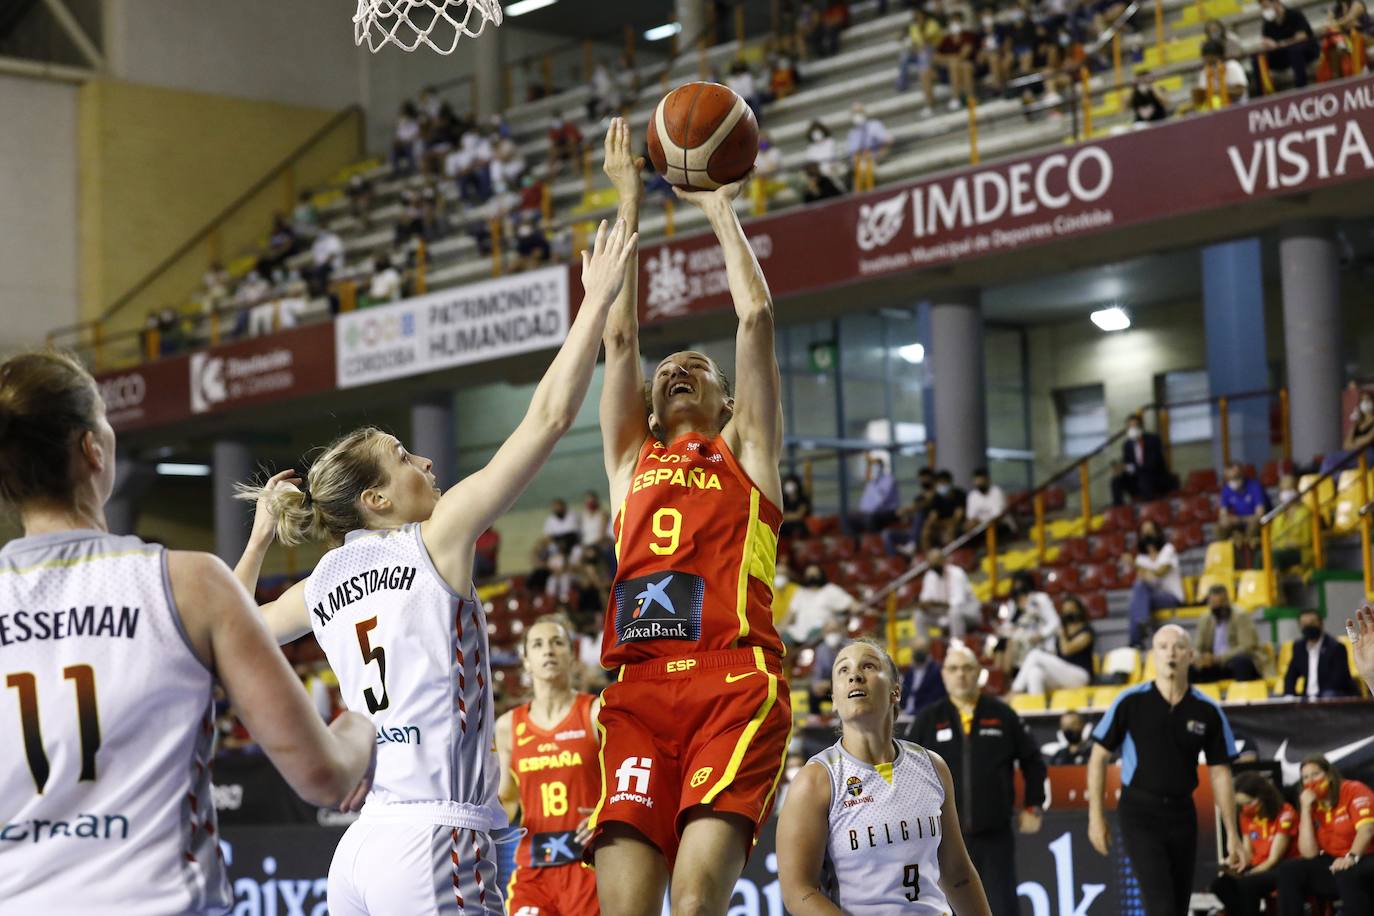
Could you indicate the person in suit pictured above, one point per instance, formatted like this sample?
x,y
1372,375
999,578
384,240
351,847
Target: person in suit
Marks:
x,y
1144,474
1319,663
921,682
1227,642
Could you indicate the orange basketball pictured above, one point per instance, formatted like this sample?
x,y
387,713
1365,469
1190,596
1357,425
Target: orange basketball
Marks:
x,y
702,136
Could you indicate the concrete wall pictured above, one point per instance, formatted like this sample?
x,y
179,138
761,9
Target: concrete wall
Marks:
x,y
38,209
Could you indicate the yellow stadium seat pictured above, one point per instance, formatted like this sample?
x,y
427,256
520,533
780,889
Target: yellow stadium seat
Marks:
x,y
1346,518
1254,591
1210,690
904,629
800,703
1028,702
1052,553
1148,672
1285,656
1206,581
1097,521
903,656
982,590
1354,672
1071,698
1020,559
1247,692
1062,528
1220,558
1317,497
1123,660
1102,697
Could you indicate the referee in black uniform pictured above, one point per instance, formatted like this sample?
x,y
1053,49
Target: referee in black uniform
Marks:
x,y
1159,728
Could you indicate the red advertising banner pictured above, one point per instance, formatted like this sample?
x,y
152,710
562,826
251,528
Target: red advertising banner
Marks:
x,y
1283,145
289,364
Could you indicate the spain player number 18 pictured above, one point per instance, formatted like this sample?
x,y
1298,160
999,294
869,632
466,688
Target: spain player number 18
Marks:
x,y
554,796
670,532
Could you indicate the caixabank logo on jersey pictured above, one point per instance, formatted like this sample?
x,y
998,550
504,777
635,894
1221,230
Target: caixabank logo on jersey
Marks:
x,y
662,605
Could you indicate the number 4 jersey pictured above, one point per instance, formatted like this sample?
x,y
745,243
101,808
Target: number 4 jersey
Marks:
x,y
697,543
885,831
412,654
106,723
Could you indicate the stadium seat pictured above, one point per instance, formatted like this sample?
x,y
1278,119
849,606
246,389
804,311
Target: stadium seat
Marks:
x,y
1210,690
1090,577
1253,591
1202,480
1055,499
1070,698
1354,672
1220,558
1106,545
1317,496
1197,508
1247,692
1027,702
1103,697
872,544
904,630
1207,580
1120,517
1097,605
1075,550
1058,581
1186,537
1062,528
1285,656
1122,660
1160,512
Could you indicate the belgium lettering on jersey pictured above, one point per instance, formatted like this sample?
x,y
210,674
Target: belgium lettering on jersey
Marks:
x,y
890,834
559,761
689,478
22,626
661,605
355,588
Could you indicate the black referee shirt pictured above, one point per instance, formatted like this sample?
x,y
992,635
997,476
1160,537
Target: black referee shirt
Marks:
x,y
1159,744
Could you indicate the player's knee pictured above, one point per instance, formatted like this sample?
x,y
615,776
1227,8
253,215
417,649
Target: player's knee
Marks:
x,y
694,902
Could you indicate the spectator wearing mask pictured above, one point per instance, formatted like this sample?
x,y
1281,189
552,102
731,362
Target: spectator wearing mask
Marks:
x,y
507,166
946,597
326,259
995,55
1158,582
821,150
1227,643
782,78
920,38
386,284
1028,620
796,508
1269,829
1232,44
1320,667
593,521
984,740
1289,41
1243,504
1077,744
815,602
1149,101
985,502
827,650
1222,81
817,185
878,502
1359,433
411,223
955,55
1335,827
1347,16
1291,529
1144,474
946,515
913,515
922,683
741,80
1068,662
563,529
867,137
532,246
768,163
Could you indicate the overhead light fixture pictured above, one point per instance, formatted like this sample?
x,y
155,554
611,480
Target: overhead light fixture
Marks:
x,y
912,353
1113,318
660,32
521,7
173,469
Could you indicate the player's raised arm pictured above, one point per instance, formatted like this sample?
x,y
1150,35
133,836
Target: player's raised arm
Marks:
x,y
286,617
471,506
624,418
754,432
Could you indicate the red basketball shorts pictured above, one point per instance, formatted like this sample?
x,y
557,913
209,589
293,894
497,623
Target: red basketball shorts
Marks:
x,y
563,890
709,729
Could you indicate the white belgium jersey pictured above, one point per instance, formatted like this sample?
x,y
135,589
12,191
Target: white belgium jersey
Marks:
x,y
106,724
882,856
412,654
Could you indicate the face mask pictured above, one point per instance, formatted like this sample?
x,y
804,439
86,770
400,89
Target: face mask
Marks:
x,y
817,136
987,23
1235,484
858,119
1070,618
833,639
982,488
1312,633
1322,787
1135,432
942,489
1222,613
937,567
1269,15
813,581
790,489
1287,496
1367,406
920,656
779,580
956,29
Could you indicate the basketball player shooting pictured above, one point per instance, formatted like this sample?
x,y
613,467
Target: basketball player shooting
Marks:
x,y
695,728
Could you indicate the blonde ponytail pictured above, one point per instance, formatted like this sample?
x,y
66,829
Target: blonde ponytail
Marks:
x,y
296,518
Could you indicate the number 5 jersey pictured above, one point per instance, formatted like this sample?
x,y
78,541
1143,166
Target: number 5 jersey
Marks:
x,y
412,654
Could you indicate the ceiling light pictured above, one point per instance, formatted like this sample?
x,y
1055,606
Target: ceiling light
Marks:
x,y
1111,319
912,353
660,32
521,7
173,469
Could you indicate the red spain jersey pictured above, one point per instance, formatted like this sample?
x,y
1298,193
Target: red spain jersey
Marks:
x,y
558,774
697,544
1337,825
1262,832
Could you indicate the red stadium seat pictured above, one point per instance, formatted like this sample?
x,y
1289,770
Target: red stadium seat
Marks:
x,y
838,546
964,557
1107,546
1090,577
1096,603
808,551
1058,581
1109,576
1159,512
1202,480
1120,517
1055,499
1197,508
872,544
1187,536
1074,549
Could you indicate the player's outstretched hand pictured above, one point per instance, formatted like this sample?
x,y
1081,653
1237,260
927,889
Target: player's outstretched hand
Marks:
x,y
726,194
603,268
264,519
621,164
1361,633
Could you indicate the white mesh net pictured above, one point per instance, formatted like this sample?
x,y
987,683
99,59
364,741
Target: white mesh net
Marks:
x,y
407,24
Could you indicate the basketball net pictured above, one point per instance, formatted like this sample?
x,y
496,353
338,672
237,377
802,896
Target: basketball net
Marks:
x,y
407,24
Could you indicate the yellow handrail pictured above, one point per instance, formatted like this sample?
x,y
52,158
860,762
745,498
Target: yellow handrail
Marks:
x,y
972,130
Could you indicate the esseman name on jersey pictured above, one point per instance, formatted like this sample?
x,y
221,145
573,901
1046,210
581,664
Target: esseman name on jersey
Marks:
x,y
355,588
22,626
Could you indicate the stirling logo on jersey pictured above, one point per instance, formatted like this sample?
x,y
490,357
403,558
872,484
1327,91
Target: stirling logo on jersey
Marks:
x,y
662,605
854,786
